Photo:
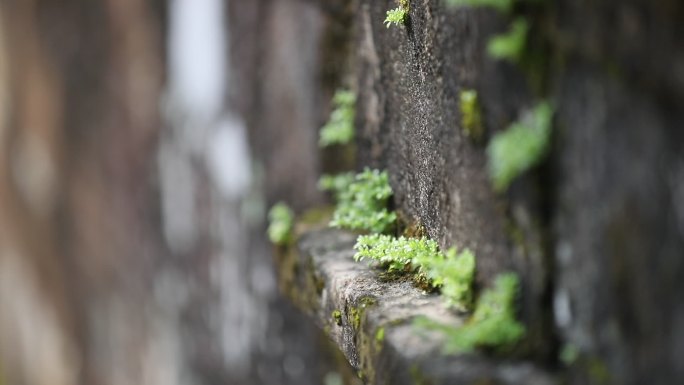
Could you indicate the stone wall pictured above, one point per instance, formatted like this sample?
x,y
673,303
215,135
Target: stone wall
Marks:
x,y
595,230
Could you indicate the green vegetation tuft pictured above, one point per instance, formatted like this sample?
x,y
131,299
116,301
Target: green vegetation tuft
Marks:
x,y
451,273
500,5
336,184
398,15
471,119
340,127
281,219
492,325
362,202
569,354
520,147
337,317
510,45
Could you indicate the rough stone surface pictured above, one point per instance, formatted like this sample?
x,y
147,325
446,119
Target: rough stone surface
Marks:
x,y
352,304
409,79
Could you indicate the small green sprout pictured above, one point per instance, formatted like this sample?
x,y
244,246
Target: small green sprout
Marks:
x,y
281,220
493,323
450,272
362,203
340,127
520,147
397,15
503,6
471,120
510,45
380,335
337,317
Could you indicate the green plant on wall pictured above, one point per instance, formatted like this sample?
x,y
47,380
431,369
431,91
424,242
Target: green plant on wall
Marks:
x,y
501,5
398,15
510,45
362,203
336,184
281,219
520,147
471,119
493,323
452,273
340,127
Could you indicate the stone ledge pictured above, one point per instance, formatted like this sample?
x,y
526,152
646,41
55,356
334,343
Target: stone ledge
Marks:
x,y
370,319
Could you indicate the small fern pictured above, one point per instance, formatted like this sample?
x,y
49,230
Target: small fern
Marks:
x,y
520,147
340,127
362,203
281,219
397,16
492,325
510,45
451,273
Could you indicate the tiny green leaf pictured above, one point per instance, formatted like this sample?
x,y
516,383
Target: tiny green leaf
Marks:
x,y
281,220
510,45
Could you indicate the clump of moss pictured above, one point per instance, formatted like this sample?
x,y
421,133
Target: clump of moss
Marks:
x,y
471,119
337,317
362,202
340,127
452,273
510,45
281,219
520,147
492,325
500,5
397,15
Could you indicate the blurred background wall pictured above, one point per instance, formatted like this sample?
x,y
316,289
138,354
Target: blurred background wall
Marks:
x,y
131,207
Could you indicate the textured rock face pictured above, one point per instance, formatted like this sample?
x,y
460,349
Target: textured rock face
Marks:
x,y
408,117
595,232
370,319
600,224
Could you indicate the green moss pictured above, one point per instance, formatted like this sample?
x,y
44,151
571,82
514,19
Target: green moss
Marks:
x,y
569,354
337,317
380,335
281,219
510,45
340,127
398,15
362,202
417,375
492,325
471,119
520,147
598,371
452,273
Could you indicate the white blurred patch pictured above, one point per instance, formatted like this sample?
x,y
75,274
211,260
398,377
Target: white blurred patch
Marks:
x,y
228,158
197,57
177,198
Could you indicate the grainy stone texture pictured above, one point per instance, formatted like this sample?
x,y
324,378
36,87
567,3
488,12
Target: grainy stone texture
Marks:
x,y
356,307
409,79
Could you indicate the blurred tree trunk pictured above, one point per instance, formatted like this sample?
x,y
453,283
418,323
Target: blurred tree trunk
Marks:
x,y
79,217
